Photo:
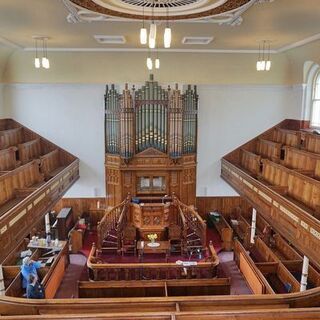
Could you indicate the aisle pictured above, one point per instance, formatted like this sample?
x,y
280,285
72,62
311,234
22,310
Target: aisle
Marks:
x,y
76,271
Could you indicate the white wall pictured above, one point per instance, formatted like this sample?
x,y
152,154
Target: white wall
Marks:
x,y
230,116
72,117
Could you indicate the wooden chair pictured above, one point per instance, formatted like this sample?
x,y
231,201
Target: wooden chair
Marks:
x,y
175,239
129,240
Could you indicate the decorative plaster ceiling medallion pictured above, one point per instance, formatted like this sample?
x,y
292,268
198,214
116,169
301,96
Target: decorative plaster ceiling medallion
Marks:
x,y
179,9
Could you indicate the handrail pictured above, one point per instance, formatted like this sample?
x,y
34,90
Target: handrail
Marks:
x,y
110,221
193,219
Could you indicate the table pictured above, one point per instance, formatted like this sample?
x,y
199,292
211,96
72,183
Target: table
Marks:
x,y
142,248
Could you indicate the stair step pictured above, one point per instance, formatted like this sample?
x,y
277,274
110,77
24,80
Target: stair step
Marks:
x,y
112,236
109,241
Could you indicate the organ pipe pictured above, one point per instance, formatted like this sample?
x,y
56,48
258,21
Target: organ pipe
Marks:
x,y
164,119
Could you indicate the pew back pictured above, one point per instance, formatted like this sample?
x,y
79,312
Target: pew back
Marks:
x,y
29,150
287,137
250,161
8,159
269,149
11,137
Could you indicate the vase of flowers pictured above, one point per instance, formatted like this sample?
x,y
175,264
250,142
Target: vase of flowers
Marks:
x,y
152,237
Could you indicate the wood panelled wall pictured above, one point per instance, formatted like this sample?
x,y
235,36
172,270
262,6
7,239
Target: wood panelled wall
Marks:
x,y
80,205
220,204
204,205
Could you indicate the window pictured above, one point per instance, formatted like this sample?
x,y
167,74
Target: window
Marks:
x,y
315,103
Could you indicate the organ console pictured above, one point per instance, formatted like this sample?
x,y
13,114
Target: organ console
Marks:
x,y
150,142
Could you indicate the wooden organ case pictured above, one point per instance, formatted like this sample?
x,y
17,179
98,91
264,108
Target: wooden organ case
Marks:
x,y
151,142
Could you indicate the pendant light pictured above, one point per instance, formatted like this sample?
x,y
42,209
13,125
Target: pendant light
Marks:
x,y
268,62
149,63
45,61
167,33
153,30
143,31
37,59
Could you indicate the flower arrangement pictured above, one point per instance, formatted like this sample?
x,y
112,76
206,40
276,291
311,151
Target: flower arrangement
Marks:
x,y
152,237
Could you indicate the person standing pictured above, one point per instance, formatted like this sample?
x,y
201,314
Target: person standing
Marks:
x,y
29,267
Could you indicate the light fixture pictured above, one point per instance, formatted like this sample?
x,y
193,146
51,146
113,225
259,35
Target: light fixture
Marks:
x,y
153,30
167,33
143,31
44,61
157,63
149,63
36,59
264,62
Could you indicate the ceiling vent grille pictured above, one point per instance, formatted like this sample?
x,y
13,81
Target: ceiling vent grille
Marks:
x,y
104,39
197,40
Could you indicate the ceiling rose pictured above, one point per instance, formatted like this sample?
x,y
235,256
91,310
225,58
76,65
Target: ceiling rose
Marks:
x,y
179,9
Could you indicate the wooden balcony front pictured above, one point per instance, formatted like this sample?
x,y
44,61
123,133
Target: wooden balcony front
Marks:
x,y
288,218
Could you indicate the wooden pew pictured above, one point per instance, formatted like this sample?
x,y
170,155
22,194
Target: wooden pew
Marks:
x,y
263,228
11,137
241,228
51,276
302,161
29,150
153,288
255,279
293,261
50,164
17,184
250,161
269,149
312,142
295,185
287,137
8,159
225,231
282,273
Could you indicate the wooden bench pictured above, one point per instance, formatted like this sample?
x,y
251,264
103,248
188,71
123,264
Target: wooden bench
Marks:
x,y
295,185
18,183
29,150
250,161
287,137
11,137
153,288
50,164
241,228
263,228
293,260
51,276
8,159
253,276
225,231
302,161
281,272
312,142
269,149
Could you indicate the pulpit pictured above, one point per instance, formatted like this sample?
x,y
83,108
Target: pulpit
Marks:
x,y
151,218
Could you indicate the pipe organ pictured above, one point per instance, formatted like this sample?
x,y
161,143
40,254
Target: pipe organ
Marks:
x,y
150,142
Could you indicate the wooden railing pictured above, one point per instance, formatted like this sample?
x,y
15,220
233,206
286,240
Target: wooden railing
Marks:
x,y
292,221
152,271
111,221
17,222
193,220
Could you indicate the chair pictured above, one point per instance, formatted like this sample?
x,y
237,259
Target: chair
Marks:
x,y
129,240
175,235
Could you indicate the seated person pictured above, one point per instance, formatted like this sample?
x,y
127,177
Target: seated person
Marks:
x,y
29,267
35,289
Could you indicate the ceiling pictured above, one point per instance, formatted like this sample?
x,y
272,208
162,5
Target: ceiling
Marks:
x,y
284,22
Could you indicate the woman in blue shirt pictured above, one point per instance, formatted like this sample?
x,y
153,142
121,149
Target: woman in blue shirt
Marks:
x,y
29,267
